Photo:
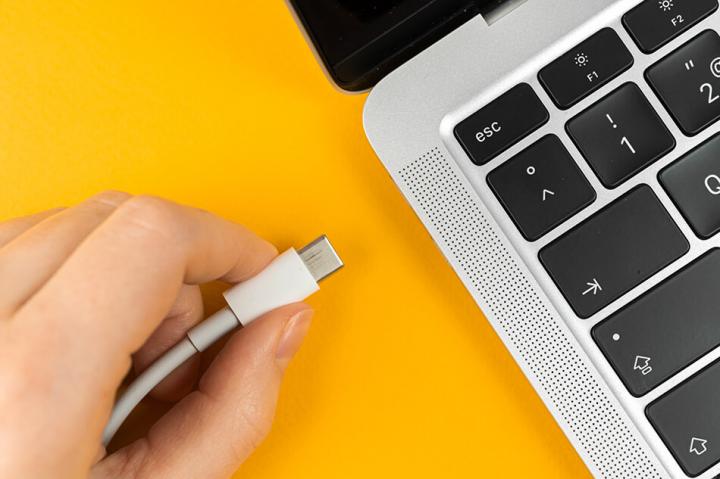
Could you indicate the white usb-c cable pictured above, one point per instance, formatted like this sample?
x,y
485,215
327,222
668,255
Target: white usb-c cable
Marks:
x,y
291,277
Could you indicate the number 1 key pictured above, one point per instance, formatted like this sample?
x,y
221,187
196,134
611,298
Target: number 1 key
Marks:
x,y
620,135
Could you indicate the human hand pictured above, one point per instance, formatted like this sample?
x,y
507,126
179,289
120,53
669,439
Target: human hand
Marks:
x,y
112,283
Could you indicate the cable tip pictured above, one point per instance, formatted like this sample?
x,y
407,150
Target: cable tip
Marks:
x,y
320,258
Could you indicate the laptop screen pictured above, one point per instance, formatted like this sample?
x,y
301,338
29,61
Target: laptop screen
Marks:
x,y
360,41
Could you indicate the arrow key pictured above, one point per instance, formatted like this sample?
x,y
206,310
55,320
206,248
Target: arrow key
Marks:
x,y
541,187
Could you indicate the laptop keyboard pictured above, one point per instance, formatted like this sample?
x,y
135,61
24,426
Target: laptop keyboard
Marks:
x,y
618,248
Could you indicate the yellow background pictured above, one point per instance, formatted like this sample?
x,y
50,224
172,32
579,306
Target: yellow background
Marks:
x,y
220,104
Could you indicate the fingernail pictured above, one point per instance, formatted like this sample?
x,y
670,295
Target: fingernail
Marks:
x,y
293,335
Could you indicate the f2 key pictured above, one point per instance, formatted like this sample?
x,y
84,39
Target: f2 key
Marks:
x,y
653,23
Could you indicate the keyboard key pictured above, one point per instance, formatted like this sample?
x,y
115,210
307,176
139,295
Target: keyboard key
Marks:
x,y
667,329
620,135
585,68
614,251
502,123
541,187
688,82
693,182
654,23
688,420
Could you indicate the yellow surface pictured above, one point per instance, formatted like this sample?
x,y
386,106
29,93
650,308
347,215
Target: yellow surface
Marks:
x,y
219,103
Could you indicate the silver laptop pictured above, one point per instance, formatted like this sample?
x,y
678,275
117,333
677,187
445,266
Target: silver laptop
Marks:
x,y
564,156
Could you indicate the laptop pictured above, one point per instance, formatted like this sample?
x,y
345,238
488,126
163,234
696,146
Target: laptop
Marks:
x,y
565,157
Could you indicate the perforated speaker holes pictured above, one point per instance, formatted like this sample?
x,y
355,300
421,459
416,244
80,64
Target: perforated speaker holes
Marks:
x,y
529,324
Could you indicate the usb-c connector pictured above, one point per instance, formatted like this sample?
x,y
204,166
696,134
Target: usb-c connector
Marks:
x,y
320,258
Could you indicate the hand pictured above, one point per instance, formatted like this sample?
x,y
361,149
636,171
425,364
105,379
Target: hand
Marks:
x,y
89,291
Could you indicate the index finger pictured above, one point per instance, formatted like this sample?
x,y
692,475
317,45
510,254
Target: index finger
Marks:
x,y
114,290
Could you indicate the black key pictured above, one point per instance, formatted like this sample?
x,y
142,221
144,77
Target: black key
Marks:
x,y
688,82
654,23
667,329
585,68
614,251
541,187
620,135
693,182
501,123
688,420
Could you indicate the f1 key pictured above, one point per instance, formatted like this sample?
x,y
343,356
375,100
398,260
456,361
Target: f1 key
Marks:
x,y
585,68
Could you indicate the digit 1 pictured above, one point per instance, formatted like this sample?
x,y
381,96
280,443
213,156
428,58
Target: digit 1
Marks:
x,y
626,142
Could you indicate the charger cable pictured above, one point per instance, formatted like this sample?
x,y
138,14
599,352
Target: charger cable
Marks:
x,y
291,277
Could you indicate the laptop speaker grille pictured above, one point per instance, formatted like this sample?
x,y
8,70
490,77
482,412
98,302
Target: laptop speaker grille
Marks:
x,y
541,343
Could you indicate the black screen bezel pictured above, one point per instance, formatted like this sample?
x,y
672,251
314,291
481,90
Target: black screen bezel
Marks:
x,y
357,53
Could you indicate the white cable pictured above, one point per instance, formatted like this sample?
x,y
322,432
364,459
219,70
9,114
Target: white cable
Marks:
x,y
291,277
145,383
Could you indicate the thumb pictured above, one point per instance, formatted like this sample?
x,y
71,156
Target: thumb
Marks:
x,y
214,429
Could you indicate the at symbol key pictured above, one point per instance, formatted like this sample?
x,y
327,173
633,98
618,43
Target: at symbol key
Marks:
x,y
688,82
